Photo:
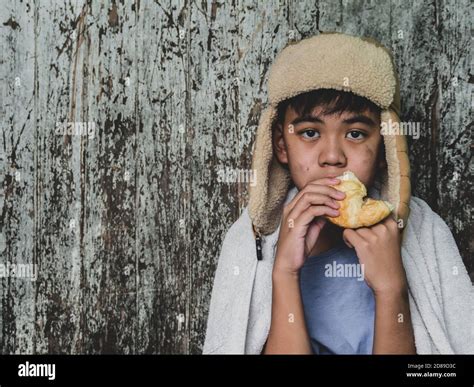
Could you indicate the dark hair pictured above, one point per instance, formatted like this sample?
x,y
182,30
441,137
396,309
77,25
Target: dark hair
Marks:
x,y
332,101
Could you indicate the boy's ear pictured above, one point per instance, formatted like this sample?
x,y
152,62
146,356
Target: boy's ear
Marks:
x,y
279,144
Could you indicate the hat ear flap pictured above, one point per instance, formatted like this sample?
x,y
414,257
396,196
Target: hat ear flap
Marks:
x,y
268,191
398,189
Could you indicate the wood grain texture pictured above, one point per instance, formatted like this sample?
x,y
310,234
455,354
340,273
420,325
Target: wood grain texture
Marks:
x,y
18,174
125,222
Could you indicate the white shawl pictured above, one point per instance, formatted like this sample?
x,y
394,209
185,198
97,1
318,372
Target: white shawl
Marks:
x,y
440,291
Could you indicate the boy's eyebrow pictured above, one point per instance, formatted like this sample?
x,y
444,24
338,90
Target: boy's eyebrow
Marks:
x,y
307,118
359,118
351,120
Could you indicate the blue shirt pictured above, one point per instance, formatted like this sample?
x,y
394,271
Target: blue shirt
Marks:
x,y
339,306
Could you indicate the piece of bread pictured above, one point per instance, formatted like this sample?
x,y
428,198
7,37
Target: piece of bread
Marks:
x,y
356,212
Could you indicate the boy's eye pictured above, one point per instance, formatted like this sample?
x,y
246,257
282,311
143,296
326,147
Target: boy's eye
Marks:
x,y
356,134
310,133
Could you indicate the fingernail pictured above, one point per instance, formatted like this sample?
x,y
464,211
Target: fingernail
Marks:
x,y
334,180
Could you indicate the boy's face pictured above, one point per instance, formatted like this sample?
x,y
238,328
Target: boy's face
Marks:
x,y
321,146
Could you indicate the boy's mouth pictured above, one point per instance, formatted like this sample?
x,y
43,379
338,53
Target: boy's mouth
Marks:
x,y
332,176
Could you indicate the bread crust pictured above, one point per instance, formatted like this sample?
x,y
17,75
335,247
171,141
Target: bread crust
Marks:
x,y
354,211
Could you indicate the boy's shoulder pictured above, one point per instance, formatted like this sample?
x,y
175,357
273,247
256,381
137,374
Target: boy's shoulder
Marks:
x,y
422,214
242,227
428,229
238,239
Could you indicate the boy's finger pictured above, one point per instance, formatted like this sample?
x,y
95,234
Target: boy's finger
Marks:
x,y
322,186
352,237
312,212
365,233
312,199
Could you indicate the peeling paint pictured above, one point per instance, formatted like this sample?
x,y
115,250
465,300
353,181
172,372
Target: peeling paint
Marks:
x,y
126,227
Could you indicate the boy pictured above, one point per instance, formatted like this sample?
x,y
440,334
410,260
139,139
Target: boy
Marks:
x,y
274,290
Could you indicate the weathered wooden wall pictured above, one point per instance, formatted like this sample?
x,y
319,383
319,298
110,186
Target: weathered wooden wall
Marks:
x,y
125,225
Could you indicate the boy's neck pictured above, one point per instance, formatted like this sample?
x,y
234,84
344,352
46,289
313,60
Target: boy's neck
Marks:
x,y
330,236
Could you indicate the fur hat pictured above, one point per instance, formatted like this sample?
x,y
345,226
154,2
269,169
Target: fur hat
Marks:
x,y
328,61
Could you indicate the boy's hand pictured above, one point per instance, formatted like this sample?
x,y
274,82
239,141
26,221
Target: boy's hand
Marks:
x,y
378,249
302,222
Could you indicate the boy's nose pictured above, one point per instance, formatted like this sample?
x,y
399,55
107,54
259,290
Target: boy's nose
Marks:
x,y
332,154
